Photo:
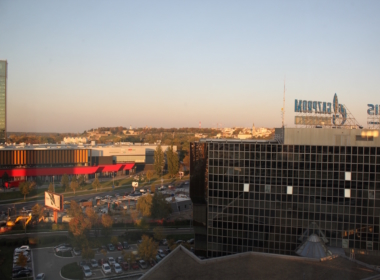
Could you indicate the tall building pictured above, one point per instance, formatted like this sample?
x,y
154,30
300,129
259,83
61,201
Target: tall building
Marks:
x,y
271,196
3,100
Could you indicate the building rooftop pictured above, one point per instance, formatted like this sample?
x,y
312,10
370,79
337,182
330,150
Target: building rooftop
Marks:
x,y
182,264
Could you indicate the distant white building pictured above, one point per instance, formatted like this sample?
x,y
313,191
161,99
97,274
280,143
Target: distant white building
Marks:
x,y
75,140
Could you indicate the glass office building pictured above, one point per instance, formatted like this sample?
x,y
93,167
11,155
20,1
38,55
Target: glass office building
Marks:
x,y
3,100
269,196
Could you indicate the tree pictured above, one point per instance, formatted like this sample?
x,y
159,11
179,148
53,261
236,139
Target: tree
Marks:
x,y
94,220
107,223
144,204
147,248
37,211
96,184
152,188
75,209
5,178
158,233
22,260
149,175
114,240
65,181
160,207
81,180
26,188
172,158
51,187
87,253
186,162
79,225
74,184
159,160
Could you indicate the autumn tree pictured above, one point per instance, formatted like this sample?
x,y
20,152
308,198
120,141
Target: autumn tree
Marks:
x,y
65,181
37,211
158,233
172,159
87,253
26,188
79,225
107,223
144,204
186,162
51,187
94,220
147,248
149,175
159,160
22,260
152,188
75,209
74,184
160,208
114,240
96,184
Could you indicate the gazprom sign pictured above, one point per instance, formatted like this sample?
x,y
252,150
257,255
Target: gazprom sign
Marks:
x,y
336,113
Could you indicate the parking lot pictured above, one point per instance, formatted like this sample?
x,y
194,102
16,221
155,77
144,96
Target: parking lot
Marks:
x,y
46,261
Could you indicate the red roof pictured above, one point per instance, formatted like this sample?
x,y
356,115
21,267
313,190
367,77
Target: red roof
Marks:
x,y
21,172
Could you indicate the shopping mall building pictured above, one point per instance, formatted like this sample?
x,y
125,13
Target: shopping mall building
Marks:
x,y
26,161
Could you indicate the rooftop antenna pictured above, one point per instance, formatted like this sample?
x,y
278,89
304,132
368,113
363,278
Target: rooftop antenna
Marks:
x,y
283,108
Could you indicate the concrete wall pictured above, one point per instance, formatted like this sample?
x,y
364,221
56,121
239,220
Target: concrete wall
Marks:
x,y
330,137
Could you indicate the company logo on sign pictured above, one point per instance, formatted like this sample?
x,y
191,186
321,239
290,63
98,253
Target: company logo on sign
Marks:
x,y
338,111
373,110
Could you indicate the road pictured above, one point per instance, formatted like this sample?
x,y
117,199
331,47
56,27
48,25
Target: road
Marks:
x,y
30,204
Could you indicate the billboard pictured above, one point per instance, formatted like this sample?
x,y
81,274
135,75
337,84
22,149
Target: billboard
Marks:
x,y
54,201
135,184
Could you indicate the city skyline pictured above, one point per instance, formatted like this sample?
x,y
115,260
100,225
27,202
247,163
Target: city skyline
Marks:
x,y
73,66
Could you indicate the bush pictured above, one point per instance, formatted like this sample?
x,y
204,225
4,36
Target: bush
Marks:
x,y
72,271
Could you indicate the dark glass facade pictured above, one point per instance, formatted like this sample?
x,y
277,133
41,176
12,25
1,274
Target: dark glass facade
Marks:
x,y
268,197
3,100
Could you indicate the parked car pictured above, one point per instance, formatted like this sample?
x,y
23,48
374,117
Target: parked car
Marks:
x,y
106,268
82,263
40,276
134,265
63,249
190,241
103,247
143,264
158,258
23,249
125,266
22,274
119,246
120,259
94,263
77,251
126,245
25,253
16,271
164,242
63,244
110,247
179,242
167,251
17,268
162,255
140,241
111,261
87,271
101,262
160,251
117,268
152,263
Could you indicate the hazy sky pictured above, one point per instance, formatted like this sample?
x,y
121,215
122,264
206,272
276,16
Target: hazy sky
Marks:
x,y
75,65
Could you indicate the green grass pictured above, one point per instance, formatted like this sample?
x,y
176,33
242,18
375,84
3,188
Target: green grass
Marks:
x,y
72,271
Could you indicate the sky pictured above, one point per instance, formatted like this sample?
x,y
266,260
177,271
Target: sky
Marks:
x,y
77,65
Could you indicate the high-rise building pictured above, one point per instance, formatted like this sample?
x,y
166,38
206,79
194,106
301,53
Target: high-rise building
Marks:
x,y
3,100
271,196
